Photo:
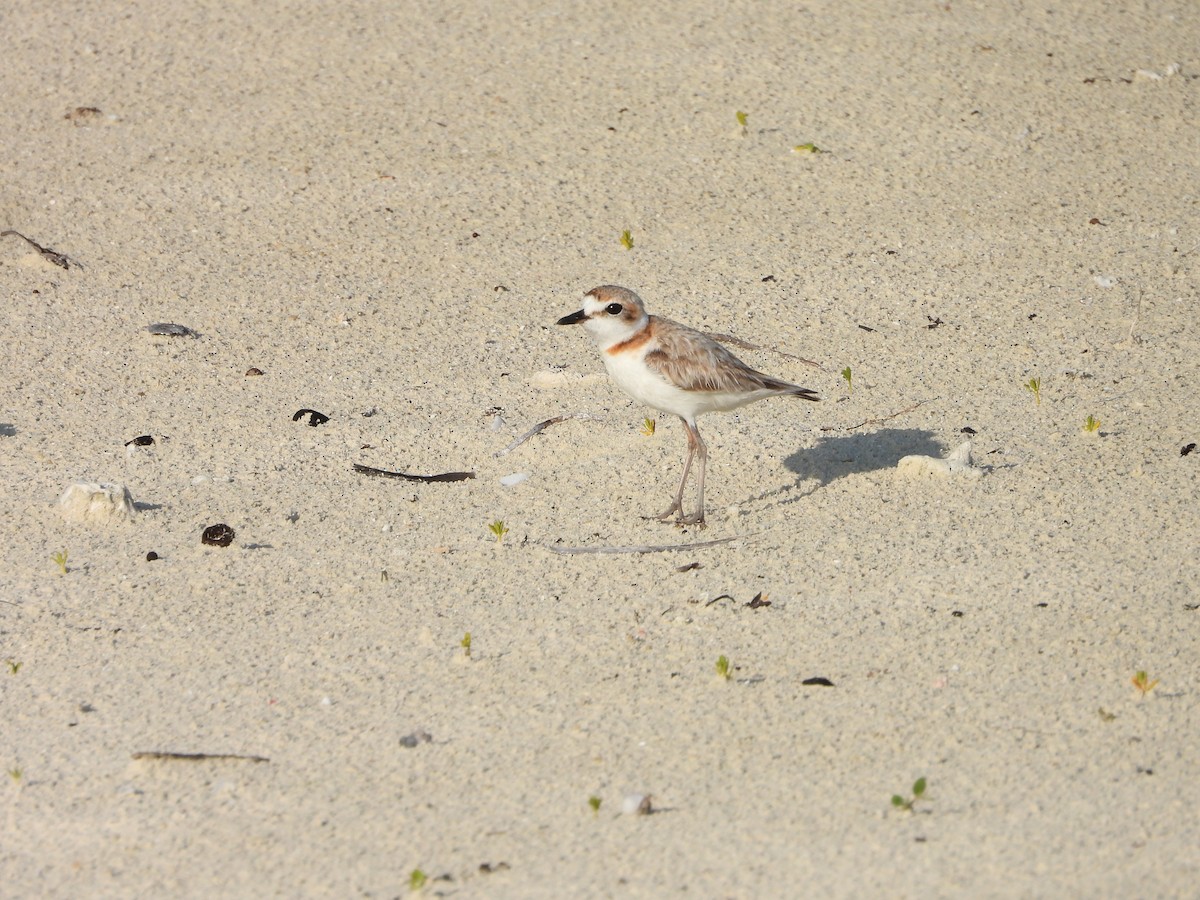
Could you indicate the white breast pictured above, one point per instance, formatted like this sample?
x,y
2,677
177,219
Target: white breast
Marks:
x,y
645,385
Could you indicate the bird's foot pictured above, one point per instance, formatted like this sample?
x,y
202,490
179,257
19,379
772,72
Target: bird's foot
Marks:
x,y
664,516
675,516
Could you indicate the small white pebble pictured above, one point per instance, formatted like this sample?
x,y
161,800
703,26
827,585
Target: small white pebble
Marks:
x,y
636,805
514,479
957,463
1104,281
92,502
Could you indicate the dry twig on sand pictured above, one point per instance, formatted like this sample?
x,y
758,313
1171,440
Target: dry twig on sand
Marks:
x,y
878,421
649,548
539,428
196,757
53,256
425,479
746,345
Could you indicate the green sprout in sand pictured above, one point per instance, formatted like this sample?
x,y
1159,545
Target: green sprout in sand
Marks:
x,y
724,669
16,774
594,803
61,559
848,375
1142,682
465,643
1034,386
807,148
918,790
416,880
627,239
742,120
1092,425
13,666
648,426
497,528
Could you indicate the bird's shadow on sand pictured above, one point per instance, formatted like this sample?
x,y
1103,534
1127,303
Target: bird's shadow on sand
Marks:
x,y
836,456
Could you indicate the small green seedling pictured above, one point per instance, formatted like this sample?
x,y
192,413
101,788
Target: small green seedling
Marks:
x,y
1142,682
594,803
742,120
723,668
465,643
497,528
848,375
61,559
648,426
807,148
13,666
1034,386
626,239
416,880
1092,425
16,775
918,790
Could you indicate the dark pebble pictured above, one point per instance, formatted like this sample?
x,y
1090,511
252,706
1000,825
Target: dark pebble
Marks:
x,y
217,535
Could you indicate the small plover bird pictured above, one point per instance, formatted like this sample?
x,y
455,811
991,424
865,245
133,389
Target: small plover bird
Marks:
x,y
675,369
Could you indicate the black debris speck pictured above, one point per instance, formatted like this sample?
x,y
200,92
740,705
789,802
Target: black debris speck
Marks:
x,y
417,737
818,681
758,601
1187,448
142,440
151,556
217,535
170,329
315,418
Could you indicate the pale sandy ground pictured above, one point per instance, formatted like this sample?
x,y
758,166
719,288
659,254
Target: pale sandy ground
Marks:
x,y
334,193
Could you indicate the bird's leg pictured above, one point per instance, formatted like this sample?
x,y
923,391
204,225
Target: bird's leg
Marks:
x,y
697,446
677,504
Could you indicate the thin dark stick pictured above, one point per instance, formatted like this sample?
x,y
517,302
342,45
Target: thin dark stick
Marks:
x,y
746,345
660,548
426,479
539,428
167,754
879,421
53,255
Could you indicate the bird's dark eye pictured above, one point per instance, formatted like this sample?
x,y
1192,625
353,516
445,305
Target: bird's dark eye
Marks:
x,y
614,309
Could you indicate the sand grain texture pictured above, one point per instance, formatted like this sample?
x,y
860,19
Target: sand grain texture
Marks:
x,y
384,207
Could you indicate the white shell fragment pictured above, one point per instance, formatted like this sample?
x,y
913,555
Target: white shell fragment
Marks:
x,y
637,805
514,479
91,502
957,463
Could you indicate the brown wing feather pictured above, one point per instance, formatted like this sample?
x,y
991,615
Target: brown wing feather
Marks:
x,y
695,362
